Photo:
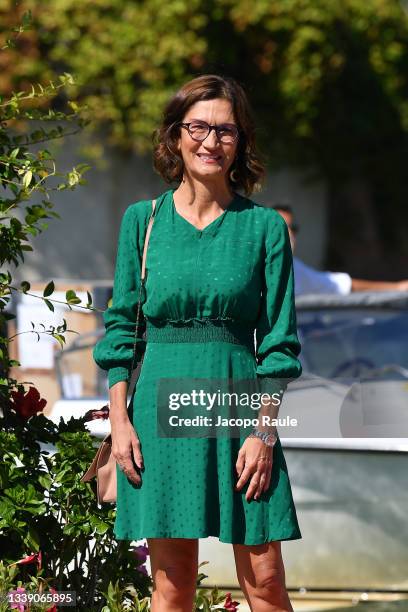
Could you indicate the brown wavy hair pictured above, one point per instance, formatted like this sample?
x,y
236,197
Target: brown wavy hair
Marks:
x,y
249,170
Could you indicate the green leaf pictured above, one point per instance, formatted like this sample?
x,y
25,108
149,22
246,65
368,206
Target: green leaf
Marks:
x,y
27,179
100,526
49,289
50,305
33,539
45,480
60,339
206,606
7,510
71,297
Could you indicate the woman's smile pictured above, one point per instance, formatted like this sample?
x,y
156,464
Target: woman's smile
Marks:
x,y
208,158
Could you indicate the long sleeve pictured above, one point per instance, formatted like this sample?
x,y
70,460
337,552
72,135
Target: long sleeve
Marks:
x,y
276,335
114,351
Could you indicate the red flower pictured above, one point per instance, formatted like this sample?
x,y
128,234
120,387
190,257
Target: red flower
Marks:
x,y
229,604
33,558
28,405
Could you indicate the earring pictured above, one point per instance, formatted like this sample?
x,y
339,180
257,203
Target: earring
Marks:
x,y
234,175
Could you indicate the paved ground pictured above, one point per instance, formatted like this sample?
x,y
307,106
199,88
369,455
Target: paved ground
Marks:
x,y
341,602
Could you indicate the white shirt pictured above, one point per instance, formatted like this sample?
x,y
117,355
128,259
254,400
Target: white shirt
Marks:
x,y
309,280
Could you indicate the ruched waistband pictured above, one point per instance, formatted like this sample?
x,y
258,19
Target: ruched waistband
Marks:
x,y
205,330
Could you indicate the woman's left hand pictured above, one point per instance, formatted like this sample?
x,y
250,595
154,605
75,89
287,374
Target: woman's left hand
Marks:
x,y
254,462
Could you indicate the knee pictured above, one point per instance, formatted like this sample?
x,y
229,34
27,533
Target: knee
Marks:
x,y
270,586
176,584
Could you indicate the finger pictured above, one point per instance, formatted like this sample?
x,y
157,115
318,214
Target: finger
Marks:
x,y
239,466
248,470
253,485
126,465
137,453
268,476
260,487
259,476
131,473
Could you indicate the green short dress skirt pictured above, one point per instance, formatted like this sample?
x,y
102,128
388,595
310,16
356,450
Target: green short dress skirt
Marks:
x,y
208,294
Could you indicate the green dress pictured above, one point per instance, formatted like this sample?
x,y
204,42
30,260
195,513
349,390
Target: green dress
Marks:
x,y
207,293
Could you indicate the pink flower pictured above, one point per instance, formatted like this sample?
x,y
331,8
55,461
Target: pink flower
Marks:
x,y
229,604
18,606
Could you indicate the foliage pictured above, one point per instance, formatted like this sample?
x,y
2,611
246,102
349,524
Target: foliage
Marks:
x,y
28,172
211,599
328,82
305,63
45,508
11,587
49,519
48,512
126,56
206,600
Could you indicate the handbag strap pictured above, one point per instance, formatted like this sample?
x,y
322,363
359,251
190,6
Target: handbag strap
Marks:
x,y
146,242
141,288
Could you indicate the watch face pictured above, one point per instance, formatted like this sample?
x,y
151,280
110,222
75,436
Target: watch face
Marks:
x,y
270,440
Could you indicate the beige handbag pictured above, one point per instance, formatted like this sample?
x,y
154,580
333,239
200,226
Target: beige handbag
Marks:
x,y
103,466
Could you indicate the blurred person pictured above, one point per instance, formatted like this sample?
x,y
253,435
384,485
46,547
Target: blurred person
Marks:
x,y
310,280
219,266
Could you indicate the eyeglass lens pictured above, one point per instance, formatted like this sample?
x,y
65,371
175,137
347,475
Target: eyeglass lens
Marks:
x,y
200,130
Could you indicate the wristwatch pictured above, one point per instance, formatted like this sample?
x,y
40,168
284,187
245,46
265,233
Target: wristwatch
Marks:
x,y
267,438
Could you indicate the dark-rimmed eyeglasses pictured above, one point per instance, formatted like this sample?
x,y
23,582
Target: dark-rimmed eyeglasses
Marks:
x,y
227,133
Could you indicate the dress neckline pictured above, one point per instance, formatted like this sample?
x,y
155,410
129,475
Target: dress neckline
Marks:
x,y
209,225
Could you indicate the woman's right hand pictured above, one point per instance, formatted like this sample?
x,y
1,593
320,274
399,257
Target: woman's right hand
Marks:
x,y
126,448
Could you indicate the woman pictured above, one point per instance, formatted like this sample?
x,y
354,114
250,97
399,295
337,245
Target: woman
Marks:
x,y
219,266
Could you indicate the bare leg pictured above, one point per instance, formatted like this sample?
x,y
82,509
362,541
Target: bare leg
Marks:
x,y
174,563
261,575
